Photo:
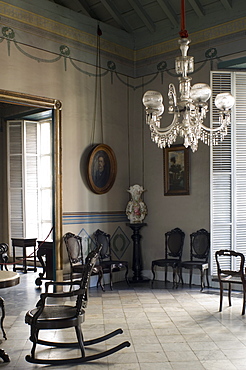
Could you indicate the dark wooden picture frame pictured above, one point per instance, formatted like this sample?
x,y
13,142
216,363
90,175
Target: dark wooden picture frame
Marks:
x,y
102,169
176,170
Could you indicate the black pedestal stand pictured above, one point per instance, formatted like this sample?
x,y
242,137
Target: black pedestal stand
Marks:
x,y
137,256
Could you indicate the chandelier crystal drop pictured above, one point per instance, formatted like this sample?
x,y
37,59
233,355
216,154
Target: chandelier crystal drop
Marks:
x,y
189,108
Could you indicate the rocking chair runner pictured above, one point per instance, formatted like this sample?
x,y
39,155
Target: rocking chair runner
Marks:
x,y
59,316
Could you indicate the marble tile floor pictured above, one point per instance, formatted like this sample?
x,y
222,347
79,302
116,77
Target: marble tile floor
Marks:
x,y
168,329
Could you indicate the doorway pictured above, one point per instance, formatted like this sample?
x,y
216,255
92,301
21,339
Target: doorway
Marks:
x,y
22,106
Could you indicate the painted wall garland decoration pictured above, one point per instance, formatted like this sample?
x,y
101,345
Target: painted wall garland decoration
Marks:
x,y
64,52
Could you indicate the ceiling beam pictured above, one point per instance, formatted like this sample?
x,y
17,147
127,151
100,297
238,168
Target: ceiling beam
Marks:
x,y
227,4
169,12
199,10
111,8
85,9
143,15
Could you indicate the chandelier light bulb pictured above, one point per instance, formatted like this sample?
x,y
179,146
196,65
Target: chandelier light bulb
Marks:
x,y
200,92
224,101
160,110
152,99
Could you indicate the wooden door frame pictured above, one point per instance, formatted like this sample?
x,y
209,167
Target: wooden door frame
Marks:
x,y
56,105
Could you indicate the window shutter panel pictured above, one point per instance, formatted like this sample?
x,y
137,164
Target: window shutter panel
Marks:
x,y
221,178
239,167
31,175
15,178
228,175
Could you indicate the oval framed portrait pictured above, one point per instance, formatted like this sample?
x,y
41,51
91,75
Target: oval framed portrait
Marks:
x,y
102,169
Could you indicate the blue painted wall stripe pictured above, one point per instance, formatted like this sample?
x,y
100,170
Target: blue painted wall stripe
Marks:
x,y
69,218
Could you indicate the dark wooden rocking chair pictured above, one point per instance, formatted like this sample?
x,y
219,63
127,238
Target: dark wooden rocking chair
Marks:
x,y
48,316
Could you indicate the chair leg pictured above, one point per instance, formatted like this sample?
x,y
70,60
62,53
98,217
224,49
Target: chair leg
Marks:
x,y
191,271
244,296
174,277
202,280
207,277
100,278
80,339
34,340
111,278
165,274
229,294
153,272
3,316
126,275
181,276
221,296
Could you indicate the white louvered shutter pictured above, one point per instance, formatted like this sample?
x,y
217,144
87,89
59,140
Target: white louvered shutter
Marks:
x,y
239,168
228,174
15,178
23,178
31,176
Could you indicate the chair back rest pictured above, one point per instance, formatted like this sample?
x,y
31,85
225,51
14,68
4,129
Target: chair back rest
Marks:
x,y
200,245
74,248
224,257
174,242
90,262
3,248
103,239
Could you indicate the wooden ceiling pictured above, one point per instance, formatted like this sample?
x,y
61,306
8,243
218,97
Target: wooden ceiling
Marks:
x,y
153,20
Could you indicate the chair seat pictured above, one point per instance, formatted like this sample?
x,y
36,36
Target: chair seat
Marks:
x,y
231,279
54,316
114,263
79,268
163,262
194,264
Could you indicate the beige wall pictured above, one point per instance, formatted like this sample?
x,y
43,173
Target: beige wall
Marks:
x,y
139,160
125,132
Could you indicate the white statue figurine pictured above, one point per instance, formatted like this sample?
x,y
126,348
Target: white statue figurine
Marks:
x,y
136,209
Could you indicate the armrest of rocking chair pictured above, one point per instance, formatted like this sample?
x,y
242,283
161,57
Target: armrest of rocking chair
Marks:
x,y
62,294
61,283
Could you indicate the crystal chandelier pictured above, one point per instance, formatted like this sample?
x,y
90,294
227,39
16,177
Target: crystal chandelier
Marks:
x,y
189,108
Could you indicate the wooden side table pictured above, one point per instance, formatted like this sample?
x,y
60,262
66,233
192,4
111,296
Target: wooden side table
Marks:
x,y
24,244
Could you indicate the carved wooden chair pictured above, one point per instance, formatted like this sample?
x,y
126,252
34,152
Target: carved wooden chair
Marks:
x,y
4,255
234,275
57,314
174,241
199,255
108,264
76,259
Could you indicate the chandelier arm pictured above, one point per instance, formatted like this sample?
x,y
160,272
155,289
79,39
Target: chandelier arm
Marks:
x,y
211,130
164,130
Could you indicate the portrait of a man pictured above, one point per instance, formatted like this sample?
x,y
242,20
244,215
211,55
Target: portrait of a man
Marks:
x,y
101,169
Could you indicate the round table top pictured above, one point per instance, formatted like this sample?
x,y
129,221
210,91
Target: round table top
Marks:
x,y
8,279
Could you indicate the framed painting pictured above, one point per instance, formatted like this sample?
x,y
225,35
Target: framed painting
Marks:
x,y
176,170
102,169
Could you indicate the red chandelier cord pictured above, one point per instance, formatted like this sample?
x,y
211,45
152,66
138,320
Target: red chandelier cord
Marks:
x,y
183,32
